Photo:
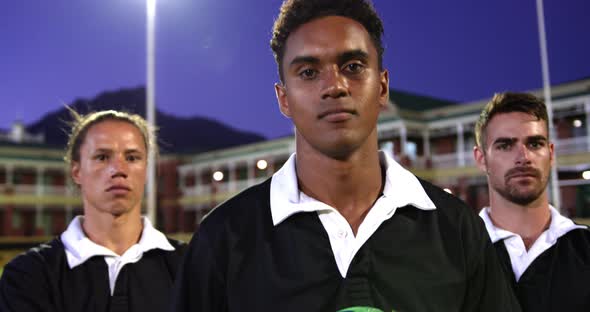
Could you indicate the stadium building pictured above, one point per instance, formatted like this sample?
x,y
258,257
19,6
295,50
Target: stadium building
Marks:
x,y
433,138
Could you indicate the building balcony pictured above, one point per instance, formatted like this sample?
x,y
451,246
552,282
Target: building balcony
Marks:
x,y
215,193
31,189
563,147
571,146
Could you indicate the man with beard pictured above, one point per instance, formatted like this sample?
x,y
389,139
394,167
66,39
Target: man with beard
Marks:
x,y
545,255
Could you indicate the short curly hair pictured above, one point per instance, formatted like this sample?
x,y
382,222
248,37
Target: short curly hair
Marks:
x,y
294,13
82,123
509,102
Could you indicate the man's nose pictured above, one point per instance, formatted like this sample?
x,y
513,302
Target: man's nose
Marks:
x,y
118,167
523,155
335,84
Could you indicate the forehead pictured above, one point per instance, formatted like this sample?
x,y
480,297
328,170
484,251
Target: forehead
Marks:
x,y
328,36
514,125
114,133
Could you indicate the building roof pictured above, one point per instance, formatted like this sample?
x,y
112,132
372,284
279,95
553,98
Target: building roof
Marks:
x,y
415,102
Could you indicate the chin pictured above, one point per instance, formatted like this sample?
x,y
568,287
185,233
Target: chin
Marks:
x,y
340,152
341,148
118,209
524,198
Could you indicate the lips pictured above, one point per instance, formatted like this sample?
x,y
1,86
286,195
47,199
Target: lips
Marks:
x,y
118,189
337,115
522,173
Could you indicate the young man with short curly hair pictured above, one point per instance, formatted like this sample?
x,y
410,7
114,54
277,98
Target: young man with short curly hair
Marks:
x,y
340,225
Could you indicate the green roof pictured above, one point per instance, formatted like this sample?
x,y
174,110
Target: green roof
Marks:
x,y
411,101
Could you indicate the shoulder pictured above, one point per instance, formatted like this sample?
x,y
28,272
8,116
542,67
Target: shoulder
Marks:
x,y
236,221
45,254
446,204
36,265
577,242
241,209
579,237
179,246
581,233
455,218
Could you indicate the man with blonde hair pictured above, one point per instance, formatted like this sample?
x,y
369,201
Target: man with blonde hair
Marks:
x,y
111,258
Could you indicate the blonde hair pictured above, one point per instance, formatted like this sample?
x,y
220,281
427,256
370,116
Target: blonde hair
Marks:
x,y
81,123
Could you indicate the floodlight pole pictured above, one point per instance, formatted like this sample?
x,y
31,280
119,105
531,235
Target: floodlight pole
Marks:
x,y
150,107
555,195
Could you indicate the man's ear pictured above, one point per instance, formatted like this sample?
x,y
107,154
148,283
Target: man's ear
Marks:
x,y
75,172
480,160
281,93
552,153
384,89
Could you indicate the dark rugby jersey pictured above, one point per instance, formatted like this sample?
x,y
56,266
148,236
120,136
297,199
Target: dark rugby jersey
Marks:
x,y
558,279
41,280
418,260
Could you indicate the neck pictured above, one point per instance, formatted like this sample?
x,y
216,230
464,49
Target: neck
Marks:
x,y
117,233
528,221
351,186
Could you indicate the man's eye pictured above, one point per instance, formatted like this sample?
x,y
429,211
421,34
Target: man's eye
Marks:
x,y
133,158
503,146
101,157
308,73
354,68
535,145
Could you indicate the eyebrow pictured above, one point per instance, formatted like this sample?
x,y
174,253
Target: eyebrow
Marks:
x,y
537,138
304,59
351,55
504,140
133,150
108,151
527,139
103,150
342,58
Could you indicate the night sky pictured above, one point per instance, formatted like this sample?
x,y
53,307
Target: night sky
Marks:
x,y
213,57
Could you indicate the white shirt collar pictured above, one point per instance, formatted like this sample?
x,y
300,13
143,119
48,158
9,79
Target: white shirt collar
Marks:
x,y
401,188
80,248
520,257
558,227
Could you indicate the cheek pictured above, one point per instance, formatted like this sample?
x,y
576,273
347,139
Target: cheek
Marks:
x,y
547,166
300,113
496,168
140,172
89,175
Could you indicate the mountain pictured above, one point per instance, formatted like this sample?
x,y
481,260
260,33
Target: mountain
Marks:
x,y
175,134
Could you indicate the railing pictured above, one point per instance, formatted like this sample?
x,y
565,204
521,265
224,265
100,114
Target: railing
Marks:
x,y
55,190
444,161
223,187
567,146
31,189
21,188
572,145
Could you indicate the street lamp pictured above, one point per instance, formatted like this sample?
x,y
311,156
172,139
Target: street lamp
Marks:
x,y
150,105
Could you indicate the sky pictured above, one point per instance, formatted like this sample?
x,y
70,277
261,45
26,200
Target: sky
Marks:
x,y
213,57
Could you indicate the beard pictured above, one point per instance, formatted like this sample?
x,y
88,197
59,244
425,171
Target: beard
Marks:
x,y
521,193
